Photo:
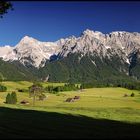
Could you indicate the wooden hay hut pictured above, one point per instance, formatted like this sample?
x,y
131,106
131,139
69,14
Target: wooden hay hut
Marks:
x,y
125,95
76,98
24,102
69,100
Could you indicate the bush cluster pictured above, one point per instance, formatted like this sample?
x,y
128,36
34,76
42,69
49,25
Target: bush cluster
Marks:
x,y
3,88
11,98
66,87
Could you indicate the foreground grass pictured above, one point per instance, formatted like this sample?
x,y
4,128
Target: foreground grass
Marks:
x,y
27,123
17,123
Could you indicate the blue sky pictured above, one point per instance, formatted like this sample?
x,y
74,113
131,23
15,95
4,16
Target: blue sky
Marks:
x,y
50,21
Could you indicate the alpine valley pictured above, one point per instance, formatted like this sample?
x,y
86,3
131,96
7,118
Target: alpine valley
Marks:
x,y
91,57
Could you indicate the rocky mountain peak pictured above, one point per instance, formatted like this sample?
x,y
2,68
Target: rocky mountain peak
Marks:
x,y
34,52
27,39
91,33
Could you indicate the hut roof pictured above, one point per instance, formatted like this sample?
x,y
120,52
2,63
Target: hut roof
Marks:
x,y
24,102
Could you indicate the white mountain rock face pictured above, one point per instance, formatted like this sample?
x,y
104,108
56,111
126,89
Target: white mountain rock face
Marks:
x,y
35,53
29,50
121,43
5,50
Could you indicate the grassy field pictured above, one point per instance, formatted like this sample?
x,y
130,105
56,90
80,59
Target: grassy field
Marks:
x,y
99,111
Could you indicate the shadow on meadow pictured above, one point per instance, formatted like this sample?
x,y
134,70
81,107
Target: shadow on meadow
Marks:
x,y
16,123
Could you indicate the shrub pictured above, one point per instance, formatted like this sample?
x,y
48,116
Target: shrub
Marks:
x,y
3,88
42,97
20,90
132,95
125,95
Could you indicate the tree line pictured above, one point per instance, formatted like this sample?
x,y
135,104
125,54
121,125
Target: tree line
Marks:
x,y
132,85
66,87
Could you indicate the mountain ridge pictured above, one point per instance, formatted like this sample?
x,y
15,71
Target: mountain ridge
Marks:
x,y
116,53
94,39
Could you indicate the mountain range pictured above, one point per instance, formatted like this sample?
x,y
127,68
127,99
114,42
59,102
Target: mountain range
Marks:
x,y
90,57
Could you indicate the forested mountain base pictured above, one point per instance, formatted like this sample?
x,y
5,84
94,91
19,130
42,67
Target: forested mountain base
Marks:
x,y
14,71
90,70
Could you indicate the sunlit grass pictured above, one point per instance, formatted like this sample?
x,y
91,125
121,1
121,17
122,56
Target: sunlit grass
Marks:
x,y
106,103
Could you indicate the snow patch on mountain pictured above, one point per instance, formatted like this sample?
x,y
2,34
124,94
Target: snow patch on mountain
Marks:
x,y
127,61
93,62
107,47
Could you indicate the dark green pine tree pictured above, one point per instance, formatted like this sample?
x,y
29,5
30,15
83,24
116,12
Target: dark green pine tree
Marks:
x,y
13,98
8,98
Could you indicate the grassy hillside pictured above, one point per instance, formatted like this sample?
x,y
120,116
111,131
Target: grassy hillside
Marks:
x,y
99,113
106,103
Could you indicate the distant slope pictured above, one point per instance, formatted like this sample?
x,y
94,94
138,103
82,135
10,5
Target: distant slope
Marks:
x,y
134,68
74,69
15,71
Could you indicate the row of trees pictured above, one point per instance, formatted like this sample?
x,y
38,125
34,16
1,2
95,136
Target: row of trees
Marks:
x,y
66,87
114,83
130,85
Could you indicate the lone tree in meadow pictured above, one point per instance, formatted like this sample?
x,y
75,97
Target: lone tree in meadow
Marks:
x,y
4,7
35,91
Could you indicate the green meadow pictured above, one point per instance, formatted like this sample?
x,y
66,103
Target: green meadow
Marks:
x,y
100,112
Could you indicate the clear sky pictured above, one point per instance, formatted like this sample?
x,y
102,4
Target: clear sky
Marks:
x,y
50,21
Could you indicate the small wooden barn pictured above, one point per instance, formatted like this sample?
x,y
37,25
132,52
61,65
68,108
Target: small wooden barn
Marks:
x,y
69,100
25,102
76,98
